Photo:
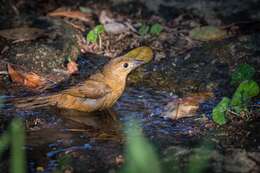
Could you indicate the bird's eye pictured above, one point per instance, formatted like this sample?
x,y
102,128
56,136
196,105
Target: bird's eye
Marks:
x,y
125,65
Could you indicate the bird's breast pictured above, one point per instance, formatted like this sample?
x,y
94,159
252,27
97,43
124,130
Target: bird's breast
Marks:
x,y
111,98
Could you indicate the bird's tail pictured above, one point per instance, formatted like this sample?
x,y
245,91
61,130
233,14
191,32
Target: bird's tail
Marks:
x,y
33,102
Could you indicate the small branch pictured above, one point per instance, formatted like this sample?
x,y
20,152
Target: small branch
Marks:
x,y
3,73
100,41
232,112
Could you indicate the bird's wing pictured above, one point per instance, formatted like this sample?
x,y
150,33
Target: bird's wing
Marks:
x,y
89,89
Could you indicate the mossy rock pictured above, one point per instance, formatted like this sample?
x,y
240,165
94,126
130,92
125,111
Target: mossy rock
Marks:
x,y
47,56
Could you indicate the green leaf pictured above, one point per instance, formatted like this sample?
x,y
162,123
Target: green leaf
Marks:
x,y
99,29
245,91
219,112
93,34
143,30
156,29
242,72
92,37
139,153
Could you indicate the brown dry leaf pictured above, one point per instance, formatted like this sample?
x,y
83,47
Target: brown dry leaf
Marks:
x,y
33,80
30,80
72,67
116,28
106,17
72,14
21,34
187,106
113,26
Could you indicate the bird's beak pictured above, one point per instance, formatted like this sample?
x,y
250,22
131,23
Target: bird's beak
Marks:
x,y
137,63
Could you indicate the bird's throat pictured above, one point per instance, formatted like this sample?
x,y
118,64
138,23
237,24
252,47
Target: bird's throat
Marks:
x,y
117,83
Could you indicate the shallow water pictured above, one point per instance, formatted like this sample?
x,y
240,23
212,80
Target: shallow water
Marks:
x,y
53,132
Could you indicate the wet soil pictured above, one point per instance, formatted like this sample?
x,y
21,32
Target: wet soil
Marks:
x,y
69,140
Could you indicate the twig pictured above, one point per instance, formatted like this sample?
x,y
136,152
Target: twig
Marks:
x,y
3,72
76,130
100,41
232,112
76,26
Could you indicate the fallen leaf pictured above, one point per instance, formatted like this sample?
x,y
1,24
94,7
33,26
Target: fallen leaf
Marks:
x,y
187,106
106,17
72,14
113,26
21,34
15,76
116,28
30,80
208,33
72,67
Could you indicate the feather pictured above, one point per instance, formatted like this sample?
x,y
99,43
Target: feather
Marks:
x,y
34,101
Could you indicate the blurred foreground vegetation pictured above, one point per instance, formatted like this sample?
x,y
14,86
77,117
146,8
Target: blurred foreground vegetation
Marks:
x,y
142,157
14,138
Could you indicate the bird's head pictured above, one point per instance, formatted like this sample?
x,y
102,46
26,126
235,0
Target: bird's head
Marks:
x,y
120,67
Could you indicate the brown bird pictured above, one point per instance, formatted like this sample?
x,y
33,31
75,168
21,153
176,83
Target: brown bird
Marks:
x,y
99,91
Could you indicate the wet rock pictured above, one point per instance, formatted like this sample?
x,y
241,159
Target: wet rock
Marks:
x,y
232,160
237,160
175,158
46,56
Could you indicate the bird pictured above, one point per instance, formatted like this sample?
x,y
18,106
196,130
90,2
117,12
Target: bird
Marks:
x,y
98,92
